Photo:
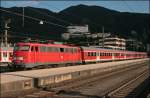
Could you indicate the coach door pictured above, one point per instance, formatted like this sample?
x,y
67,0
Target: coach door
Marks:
x,y
34,55
62,55
5,57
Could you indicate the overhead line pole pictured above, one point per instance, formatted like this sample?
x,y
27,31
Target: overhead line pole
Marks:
x,y
103,36
6,31
23,17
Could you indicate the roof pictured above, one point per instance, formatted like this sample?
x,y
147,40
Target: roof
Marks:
x,y
48,44
112,50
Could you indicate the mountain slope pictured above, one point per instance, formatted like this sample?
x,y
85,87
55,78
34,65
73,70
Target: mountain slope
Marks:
x,y
115,22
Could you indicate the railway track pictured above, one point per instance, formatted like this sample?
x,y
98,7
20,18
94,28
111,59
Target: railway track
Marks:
x,y
126,90
86,85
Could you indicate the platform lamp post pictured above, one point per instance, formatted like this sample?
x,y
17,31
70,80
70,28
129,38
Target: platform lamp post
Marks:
x,y
41,22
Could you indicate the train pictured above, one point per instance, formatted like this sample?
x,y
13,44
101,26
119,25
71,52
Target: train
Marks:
x,y
6,55
31,54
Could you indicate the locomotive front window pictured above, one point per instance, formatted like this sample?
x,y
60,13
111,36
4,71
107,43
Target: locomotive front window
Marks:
x,y
22,48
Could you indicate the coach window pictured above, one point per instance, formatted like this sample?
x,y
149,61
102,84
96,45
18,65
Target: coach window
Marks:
x,y
49,49
61,49
74,50
52,49
97,54
56,49
21,48
91,53
94,53
65,50
36,49
100,54
11,54
88,53
5,54
69,50
32,48
110,54
42,48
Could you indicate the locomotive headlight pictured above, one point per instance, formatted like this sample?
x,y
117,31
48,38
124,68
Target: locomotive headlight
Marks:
x,y
19,58
15,58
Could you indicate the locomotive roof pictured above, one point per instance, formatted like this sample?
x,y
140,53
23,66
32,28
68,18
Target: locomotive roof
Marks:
x,y
42,44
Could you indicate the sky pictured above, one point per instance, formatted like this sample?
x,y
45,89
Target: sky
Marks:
x,y
56,6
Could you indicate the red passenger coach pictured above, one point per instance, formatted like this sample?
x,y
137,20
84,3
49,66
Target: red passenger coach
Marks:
x,y
34,54
91,54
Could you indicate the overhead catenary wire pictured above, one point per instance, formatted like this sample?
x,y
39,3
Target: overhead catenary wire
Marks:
x,y
130,8
50,16
30,3
29,35
24,36
36,19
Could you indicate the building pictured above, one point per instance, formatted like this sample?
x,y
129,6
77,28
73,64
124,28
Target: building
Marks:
x,y
113,43
78,31
134,45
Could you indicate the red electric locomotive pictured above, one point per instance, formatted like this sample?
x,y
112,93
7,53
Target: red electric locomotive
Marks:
x,y
34,54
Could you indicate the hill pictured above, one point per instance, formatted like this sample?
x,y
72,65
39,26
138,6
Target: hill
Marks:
x,y
119,23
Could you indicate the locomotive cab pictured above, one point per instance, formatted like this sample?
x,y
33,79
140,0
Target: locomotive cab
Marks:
x,y
20,55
